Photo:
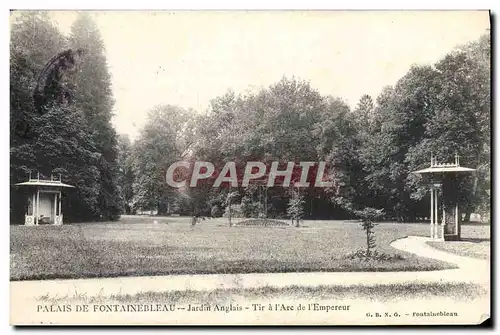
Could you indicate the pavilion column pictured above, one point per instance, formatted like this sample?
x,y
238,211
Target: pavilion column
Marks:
x,y
443,222
33,208
432,212
55,209
60,207
37,205
436,219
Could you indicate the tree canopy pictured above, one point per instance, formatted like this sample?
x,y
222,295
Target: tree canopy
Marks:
x,y
370,149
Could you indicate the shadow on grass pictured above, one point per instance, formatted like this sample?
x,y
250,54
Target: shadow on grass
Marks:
x,y
475,240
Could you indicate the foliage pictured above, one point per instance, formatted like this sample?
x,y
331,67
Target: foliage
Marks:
x,y
262,223
236,211
368,217
125,176
216,211
373,255
370,150
296,208
251,208
93,96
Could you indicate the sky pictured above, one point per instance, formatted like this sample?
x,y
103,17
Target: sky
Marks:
x,y
188,58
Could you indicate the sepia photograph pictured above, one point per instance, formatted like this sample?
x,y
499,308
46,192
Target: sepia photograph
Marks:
x,y
230,167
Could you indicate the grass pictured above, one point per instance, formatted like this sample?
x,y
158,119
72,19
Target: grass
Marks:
x,y
263,223
383,293
475,242
136,246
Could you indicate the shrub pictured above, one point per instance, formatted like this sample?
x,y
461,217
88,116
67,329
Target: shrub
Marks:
x,y
216,211
236,211
263,223
368,216
374,255
296,208
251,209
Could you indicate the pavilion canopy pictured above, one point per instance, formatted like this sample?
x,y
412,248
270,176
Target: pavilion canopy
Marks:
x,y
35,182
440,169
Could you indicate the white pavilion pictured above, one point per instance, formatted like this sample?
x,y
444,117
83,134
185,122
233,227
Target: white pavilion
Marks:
x,y
44,205
442,179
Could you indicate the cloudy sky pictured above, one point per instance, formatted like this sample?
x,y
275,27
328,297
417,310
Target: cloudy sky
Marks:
x,y
189,58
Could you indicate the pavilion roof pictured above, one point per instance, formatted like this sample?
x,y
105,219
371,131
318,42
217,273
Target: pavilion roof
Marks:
x,y
444,168
38,182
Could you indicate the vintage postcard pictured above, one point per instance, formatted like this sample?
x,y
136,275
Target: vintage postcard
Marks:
x,y
250,167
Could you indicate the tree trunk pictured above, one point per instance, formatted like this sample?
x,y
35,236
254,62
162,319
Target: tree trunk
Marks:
x,y
162,209
367,242
265,204
229,208
468,209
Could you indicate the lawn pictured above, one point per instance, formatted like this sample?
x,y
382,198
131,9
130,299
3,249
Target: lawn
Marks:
x,y
136,246
475,242
381,293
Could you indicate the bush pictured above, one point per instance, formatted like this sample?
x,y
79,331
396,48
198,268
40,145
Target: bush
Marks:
x,y
263,223
374,255
216,211
236,211
368,216
251,209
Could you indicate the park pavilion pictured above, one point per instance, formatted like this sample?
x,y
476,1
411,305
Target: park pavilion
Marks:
x,y
44,202
444,179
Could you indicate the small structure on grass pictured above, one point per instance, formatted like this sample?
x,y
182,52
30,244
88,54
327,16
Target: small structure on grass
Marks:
x,y
444,179
44,203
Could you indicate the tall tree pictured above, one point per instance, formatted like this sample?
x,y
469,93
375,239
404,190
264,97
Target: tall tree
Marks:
x,y
125,178
165,139
402,112
34,41
93,96
460,123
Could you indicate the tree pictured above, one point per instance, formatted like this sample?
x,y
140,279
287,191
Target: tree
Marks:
x,y
125,178
296,207
403,112
93,96
166,138
230,196
275,124
338,135
62,141
368,217
458,125
34,40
